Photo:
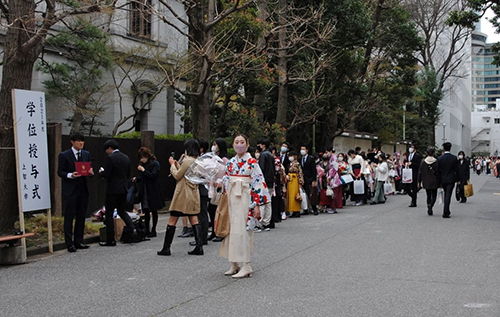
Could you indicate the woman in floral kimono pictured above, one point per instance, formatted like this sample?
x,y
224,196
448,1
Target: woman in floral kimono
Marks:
x,y
295,180
336,184
246,192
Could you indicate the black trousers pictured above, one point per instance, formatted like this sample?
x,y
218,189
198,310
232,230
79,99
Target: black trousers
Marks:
x,y
412,191
203,216
431,197
118,202
277,204
448,192
211,211
75,207
462,192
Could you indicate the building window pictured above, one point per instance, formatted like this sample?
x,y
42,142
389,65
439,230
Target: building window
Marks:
x,y
497,120
140,18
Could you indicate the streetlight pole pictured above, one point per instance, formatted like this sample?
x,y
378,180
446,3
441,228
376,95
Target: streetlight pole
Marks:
x,y
444,132
404,122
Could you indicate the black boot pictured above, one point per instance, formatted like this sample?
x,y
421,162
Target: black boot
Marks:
x,y
204,235
169,236
198,250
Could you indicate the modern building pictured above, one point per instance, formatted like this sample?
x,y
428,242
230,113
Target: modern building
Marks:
x,y
485,80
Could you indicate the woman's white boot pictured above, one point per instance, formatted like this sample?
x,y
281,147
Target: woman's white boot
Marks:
x,y
233,269
246,271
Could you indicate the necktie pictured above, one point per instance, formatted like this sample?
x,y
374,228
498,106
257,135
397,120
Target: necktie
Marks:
x,y
79,156
303,161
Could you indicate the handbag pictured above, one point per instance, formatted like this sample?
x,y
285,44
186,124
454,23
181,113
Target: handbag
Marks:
x,y
359,187
468,190
221,222
346,179
298,197
215,200
407,176
457,193
329,191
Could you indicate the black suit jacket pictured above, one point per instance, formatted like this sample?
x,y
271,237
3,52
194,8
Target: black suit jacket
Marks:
x,y
66,165
117,172
309,169
266,163
286,163
448,167
415,165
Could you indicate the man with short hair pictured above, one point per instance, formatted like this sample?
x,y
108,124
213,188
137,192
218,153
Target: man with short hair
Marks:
x,y
285,147
310,175
450,174
117,173
266,163
413,163
75,191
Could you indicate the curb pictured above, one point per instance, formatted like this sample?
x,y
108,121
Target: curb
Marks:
x,y
58,246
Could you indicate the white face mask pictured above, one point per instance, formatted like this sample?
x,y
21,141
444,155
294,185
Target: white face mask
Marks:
x,y
214,148
410,150
291,158
303,152
460,157
284,149
340,159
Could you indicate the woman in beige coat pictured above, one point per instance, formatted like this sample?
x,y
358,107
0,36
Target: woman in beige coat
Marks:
x,y
186,200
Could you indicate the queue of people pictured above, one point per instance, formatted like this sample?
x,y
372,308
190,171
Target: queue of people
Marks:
x,y
263,185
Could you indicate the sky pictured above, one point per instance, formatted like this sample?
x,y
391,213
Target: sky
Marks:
x,y
488,29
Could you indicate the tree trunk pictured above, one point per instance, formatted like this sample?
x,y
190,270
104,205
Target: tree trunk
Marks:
x,y
282,66
17,73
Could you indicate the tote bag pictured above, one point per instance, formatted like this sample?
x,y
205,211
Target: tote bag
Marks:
x,y
221,221
407,176
387,188
303,202
468,190
359,187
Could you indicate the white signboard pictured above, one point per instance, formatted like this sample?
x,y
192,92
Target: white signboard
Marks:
x,y
31,149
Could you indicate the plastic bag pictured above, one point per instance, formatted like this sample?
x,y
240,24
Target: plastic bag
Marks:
x,y
208,168
303,203
440,196
388,188
359,187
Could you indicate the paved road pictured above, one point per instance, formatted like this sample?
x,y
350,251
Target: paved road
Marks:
x,y
383,260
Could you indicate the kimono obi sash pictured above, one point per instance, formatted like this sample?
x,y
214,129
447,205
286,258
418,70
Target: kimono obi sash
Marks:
x,y
238,182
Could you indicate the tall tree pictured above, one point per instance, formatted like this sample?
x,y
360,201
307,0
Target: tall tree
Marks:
x,y
28,23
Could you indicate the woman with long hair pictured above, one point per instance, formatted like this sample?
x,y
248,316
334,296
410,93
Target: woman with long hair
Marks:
x,y
186,200
219,147
246,192
151,196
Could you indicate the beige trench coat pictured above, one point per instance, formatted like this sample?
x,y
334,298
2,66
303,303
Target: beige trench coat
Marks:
x,y
186,195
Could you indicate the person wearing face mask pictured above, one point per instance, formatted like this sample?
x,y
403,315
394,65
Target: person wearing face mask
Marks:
x,y
219,147
246,193
266,163
464,173
151,198
308,164
285,162
382,173
413,162
344,169
295,181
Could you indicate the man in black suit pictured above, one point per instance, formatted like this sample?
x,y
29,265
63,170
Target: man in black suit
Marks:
x,y
285,147
75,192
414,160
450,174
117,173
310,174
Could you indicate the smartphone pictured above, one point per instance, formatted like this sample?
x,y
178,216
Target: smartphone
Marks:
x,y
172,154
